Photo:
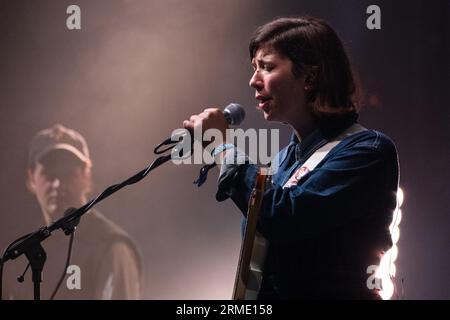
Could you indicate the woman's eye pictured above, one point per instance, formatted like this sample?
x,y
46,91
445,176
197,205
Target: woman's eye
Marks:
x,y
264,67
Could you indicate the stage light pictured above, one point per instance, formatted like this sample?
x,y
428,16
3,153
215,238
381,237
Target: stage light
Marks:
x,y
387,268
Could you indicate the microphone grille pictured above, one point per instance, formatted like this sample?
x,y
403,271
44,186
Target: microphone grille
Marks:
x,y
234,113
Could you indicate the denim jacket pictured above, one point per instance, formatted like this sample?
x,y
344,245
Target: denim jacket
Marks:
x,y
325,231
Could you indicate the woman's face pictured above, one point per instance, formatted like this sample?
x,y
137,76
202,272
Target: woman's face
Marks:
x,y
281,95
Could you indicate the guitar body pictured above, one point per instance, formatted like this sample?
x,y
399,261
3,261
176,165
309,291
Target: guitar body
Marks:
x,y
253,249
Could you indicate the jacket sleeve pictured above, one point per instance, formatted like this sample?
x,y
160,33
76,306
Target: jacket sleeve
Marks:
x,y
358,182
236,179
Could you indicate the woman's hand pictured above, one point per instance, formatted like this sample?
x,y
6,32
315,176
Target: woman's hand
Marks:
x,y
211,118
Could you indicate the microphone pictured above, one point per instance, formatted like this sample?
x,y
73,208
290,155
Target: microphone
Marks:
x,y
234,114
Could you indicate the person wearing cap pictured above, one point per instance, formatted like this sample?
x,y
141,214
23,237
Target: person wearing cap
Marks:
x,y
59,170
108,261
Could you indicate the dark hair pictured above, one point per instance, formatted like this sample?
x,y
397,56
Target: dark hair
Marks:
x,y
315,49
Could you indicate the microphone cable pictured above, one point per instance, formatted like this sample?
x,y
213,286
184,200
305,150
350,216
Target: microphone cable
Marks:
x,y
63,275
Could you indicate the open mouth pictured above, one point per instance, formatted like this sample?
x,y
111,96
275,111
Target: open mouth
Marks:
x,y
263,102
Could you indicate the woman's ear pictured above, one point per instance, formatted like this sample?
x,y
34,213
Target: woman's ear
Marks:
x,y
311,77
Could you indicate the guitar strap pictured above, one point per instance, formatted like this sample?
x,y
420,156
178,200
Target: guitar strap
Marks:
x,y
321,153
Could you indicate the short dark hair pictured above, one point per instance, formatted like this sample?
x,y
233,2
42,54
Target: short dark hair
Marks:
x,y
316,50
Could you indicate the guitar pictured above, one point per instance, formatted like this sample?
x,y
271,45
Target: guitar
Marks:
x,y
253,249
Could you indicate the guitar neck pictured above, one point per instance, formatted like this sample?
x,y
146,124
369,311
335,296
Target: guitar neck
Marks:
x,y
245,285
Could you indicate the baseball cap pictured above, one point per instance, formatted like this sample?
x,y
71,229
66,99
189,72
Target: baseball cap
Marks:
x,y
58,137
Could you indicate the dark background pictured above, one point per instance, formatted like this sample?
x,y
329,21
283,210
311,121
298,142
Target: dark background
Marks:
x,y
136,69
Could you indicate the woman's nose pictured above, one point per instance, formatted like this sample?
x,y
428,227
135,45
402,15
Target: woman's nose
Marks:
x,y
256,81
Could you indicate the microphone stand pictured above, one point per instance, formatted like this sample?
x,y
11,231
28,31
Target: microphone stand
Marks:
x,y
30,244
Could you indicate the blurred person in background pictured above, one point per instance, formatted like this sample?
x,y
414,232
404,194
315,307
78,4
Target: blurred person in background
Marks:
x,y
106,259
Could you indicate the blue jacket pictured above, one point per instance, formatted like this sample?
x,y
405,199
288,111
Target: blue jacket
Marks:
x,y
328,229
